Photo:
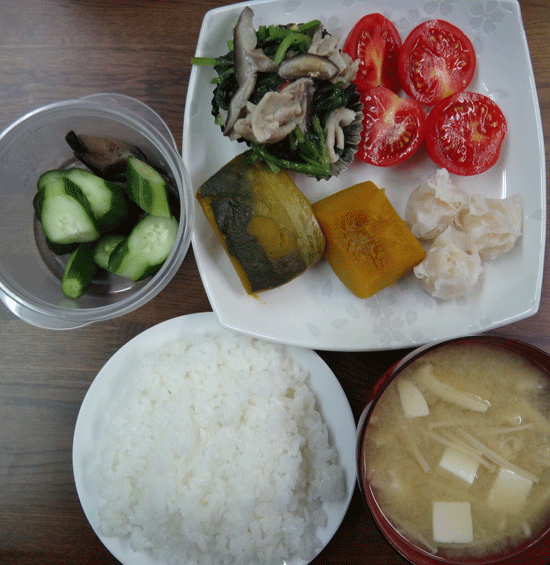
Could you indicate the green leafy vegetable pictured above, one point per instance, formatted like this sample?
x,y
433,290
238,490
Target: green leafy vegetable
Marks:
x,y
311,147
301,151
289,41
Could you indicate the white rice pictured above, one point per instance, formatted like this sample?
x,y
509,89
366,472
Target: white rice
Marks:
x,y
218,455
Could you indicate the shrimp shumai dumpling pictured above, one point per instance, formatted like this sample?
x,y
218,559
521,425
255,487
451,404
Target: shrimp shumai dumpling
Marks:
x,y
464,231
449,270
492,226
434,205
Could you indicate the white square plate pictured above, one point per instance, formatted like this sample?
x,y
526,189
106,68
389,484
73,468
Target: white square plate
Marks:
x,y
316,310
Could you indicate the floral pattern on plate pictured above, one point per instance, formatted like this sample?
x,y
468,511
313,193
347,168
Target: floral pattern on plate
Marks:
x,y
316,310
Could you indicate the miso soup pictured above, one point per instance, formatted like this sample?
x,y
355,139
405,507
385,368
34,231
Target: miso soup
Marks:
x,y
457,450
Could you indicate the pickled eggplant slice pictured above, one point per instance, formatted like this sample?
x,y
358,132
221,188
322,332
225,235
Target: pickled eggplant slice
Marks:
x,y
105,157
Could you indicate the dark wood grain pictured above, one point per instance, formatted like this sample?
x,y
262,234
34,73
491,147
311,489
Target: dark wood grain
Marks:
x,y
52,50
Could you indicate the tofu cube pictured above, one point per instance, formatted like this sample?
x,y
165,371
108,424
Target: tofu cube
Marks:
x,y
452,522
509,491
460,465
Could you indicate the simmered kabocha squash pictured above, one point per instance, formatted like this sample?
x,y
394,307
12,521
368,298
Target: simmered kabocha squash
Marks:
x,y
265,224
368,245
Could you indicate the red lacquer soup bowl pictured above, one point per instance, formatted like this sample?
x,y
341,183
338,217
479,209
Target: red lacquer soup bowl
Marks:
x,y
470,455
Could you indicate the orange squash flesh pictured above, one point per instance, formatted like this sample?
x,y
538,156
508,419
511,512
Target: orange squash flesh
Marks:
x,y
368,245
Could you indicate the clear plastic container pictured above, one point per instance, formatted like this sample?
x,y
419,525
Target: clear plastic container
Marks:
x,y
30,285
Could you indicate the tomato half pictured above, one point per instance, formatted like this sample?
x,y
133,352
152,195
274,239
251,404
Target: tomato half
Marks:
x,y
375,41
464,133
393,127
436,60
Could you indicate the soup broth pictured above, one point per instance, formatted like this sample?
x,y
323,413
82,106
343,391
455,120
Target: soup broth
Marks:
x,y
457,451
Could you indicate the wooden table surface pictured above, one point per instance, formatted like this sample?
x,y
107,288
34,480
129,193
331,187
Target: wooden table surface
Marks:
x,y
52,50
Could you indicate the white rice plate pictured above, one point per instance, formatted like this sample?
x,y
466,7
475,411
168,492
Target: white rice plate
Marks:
x,y
217,454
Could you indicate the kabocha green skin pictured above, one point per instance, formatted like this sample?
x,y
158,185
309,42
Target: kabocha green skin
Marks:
x,y
233,212
234,196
